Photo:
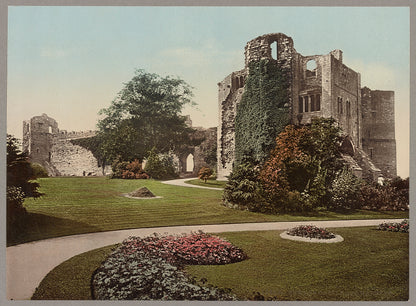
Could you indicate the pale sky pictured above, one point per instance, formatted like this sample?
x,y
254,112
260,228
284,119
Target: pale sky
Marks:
x,y
70,62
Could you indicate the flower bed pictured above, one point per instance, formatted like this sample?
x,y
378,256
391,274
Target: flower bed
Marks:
x,y
395,227
310,231
150,268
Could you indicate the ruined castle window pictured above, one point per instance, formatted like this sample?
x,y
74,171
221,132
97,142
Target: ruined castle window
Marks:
x,y
311,68
273,47
50,129
50,155
312,97
300,104
348,109
318,102
340,110
306,99
190,163
37,150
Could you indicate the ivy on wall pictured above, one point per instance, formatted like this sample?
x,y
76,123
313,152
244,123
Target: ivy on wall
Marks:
x,y
263,111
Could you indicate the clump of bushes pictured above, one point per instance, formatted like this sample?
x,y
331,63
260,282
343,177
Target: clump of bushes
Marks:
x,y
38,170
385,197
310,231
160,167
15,210
402,227
150,268
128,170
205,173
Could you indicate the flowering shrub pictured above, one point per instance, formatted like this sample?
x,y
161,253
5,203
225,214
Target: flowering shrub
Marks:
x,y
150,268
310,231
126,170
196,249
395,227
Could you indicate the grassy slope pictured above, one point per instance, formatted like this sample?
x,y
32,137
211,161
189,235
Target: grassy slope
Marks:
x,y
368,265
82,205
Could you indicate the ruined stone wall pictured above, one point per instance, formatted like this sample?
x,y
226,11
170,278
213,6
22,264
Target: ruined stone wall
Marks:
x,y
378,130
328,89
51,148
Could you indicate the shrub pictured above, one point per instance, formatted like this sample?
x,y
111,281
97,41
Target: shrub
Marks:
x,y
244,190
204,173
128,170
377,197
395,227
345,191
38,170
310,231
149,269
15,211
160,166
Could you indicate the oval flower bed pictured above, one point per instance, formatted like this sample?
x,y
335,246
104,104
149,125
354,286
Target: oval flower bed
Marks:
x,y
402,227
150,268
311,233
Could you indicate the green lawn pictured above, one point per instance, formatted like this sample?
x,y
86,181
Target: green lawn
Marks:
x,y
74,205
369,265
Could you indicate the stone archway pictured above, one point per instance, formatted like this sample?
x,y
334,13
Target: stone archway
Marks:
x,y
190,163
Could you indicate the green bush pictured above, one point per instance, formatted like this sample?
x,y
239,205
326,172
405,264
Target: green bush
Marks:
x,y
402,227
15,211
38,170
160,167
243,189
374,196
345,191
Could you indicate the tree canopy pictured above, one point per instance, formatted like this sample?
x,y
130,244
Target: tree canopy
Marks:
x,y
145,114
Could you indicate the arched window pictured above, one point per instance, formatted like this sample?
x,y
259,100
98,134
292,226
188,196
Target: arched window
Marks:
x,y
50,129
348,105
190,163
311,68
340,108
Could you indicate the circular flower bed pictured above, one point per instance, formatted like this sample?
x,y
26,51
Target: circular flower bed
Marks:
x,y
402,227
151,268
311,233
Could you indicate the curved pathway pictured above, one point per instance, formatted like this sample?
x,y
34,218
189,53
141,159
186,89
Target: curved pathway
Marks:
x,y
29,263
181,182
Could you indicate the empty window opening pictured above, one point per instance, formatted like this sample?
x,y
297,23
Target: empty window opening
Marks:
x,y
273,47
318,102
340,110
306,104
190,163
348,110
50,155
37,150
50,129
311,68
313,106
300,104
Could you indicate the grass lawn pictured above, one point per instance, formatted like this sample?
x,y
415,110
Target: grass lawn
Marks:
x,y
209,183
76,205
368,265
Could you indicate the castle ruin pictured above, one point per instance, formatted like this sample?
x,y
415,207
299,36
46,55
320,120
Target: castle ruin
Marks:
x,y
52,148
320,86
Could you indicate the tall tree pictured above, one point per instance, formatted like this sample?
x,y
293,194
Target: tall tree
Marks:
x,y
145,114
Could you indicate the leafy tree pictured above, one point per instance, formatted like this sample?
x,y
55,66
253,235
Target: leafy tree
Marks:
x,y
19,170
204,173
145,115
345,191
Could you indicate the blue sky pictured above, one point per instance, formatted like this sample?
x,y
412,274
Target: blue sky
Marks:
x,y
70,62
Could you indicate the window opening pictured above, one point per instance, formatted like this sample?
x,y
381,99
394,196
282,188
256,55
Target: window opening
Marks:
x,y
306,104
318,102
190,163
313,107
273,46
300,104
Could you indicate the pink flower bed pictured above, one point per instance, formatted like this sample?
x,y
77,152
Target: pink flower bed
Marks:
x,y
196,249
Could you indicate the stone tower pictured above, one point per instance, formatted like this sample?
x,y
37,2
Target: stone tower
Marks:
x,y
320,86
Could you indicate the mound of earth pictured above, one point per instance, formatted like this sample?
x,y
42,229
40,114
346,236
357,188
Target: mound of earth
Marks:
x,y
142,192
